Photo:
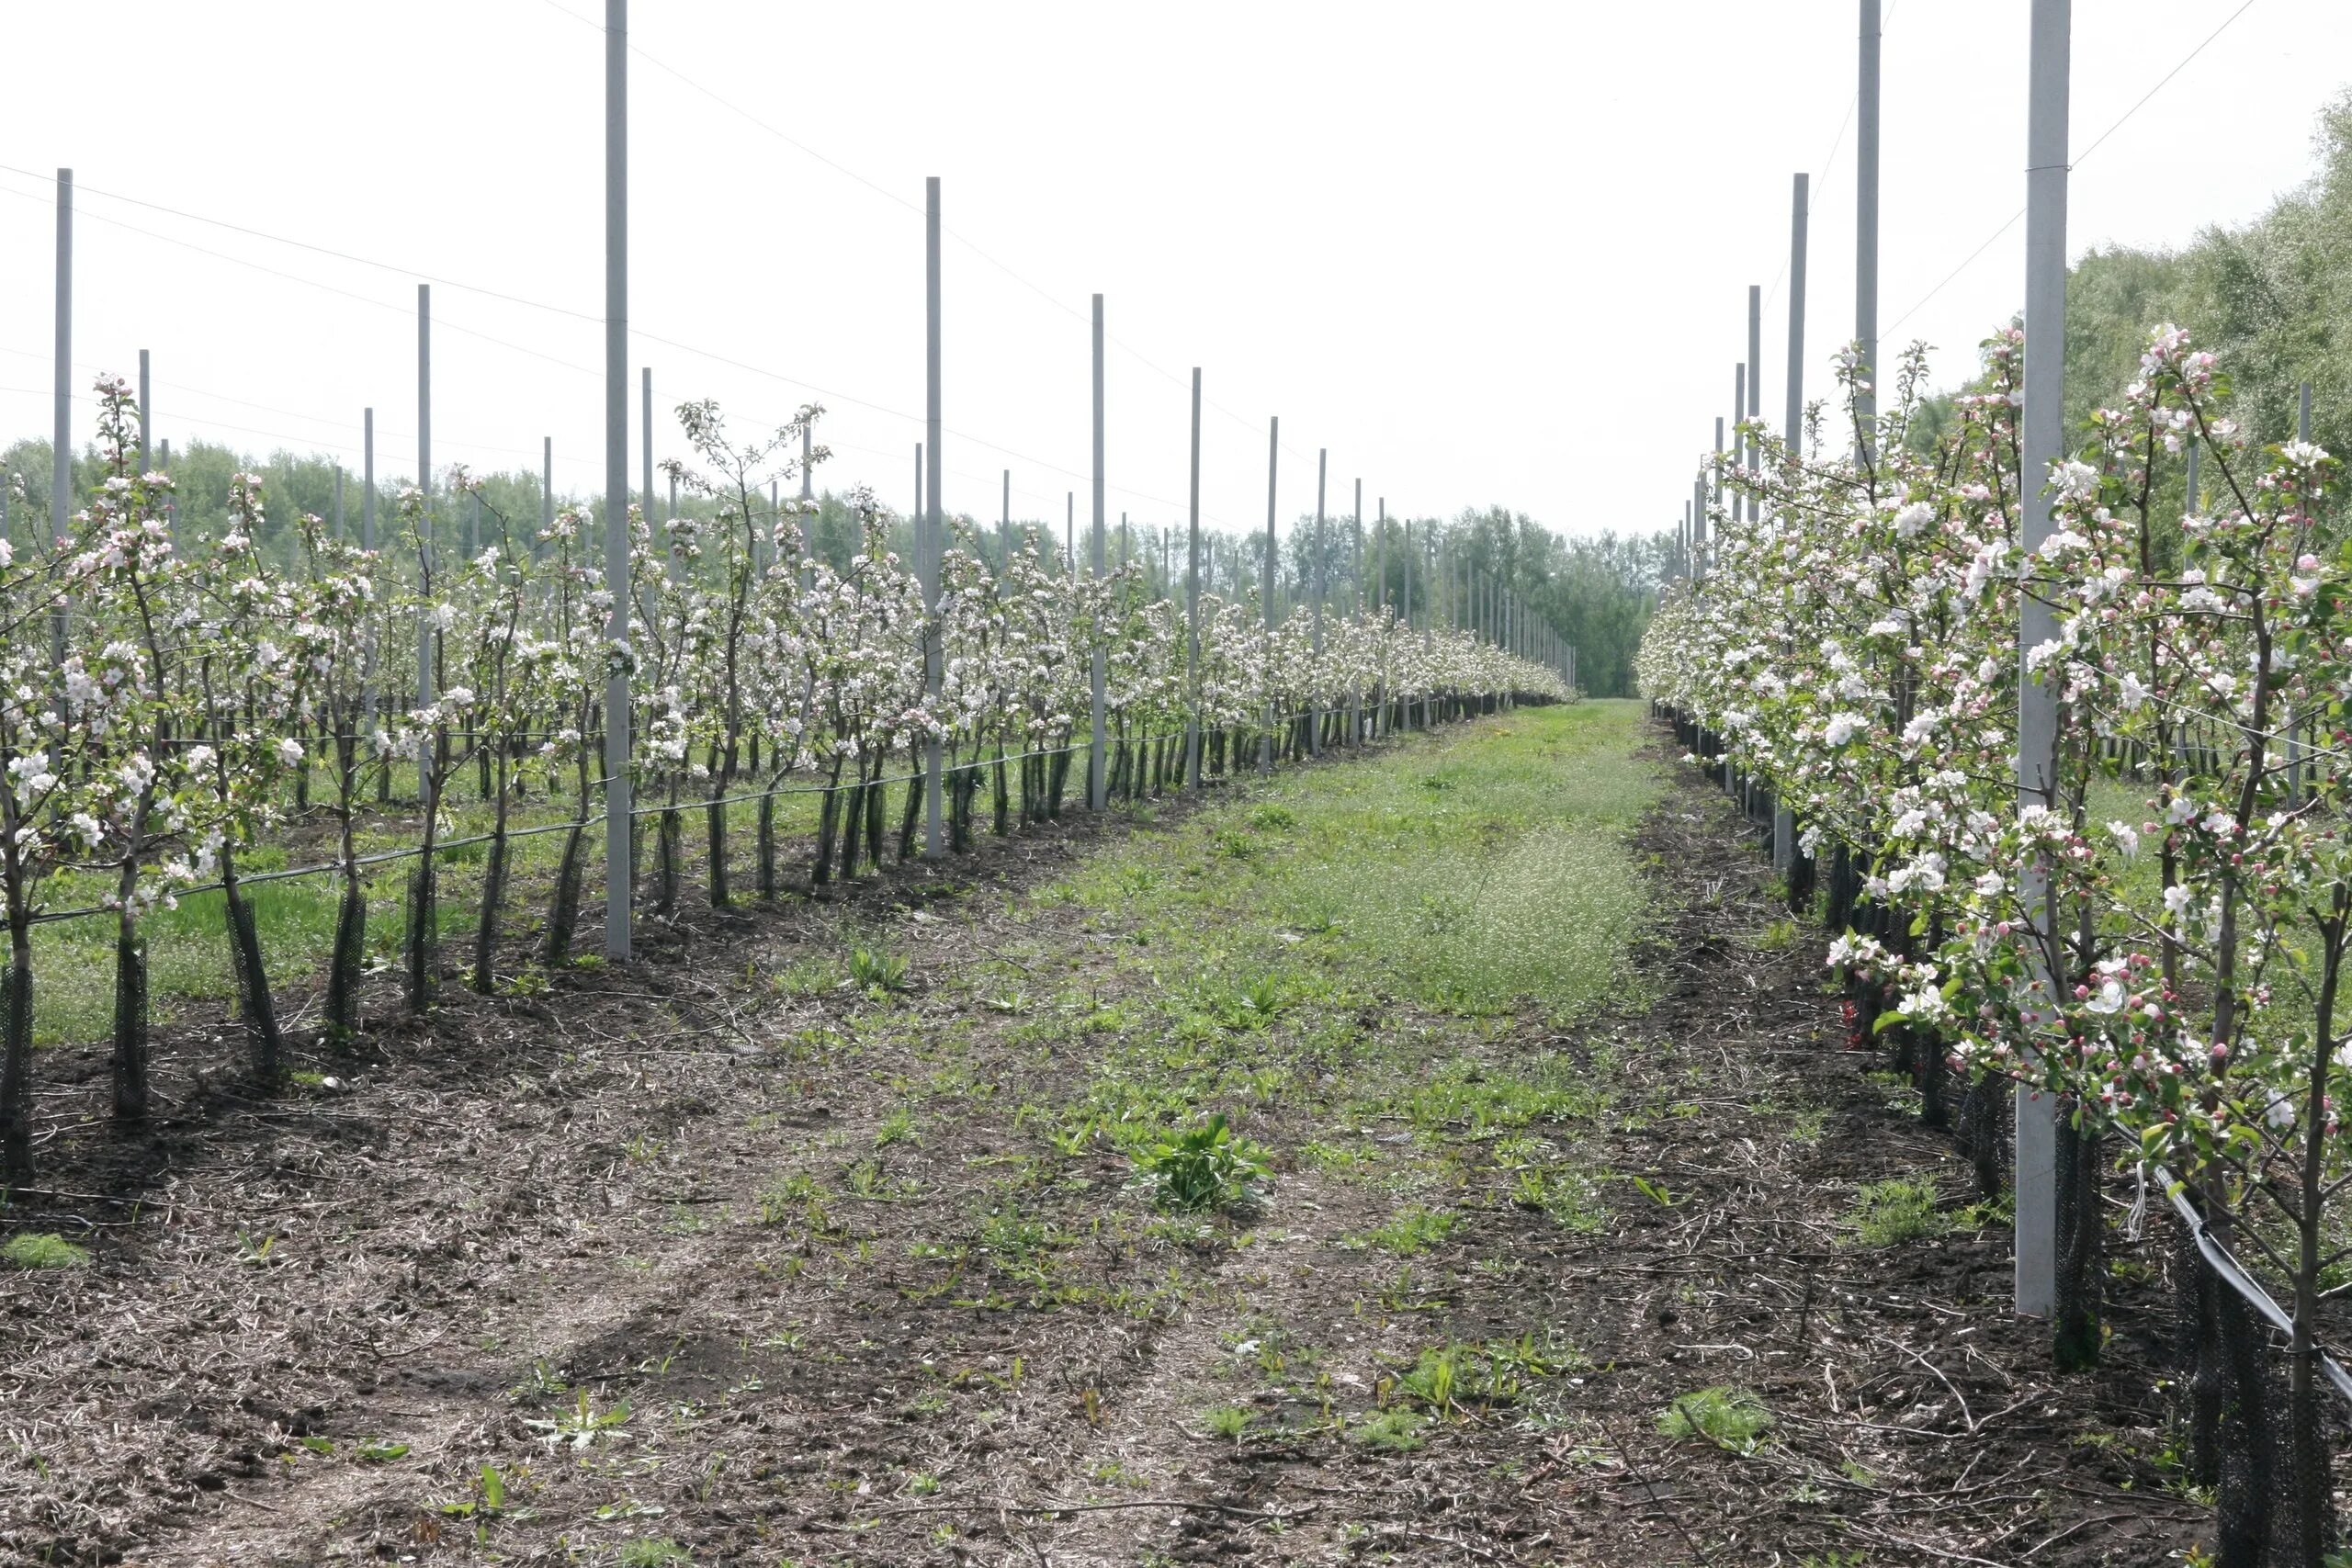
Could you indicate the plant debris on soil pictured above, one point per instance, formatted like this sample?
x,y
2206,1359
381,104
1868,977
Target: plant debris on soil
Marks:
x,y
756,1251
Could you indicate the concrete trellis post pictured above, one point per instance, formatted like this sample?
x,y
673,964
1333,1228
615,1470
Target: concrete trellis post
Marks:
x,y
1005,522
2294,730
1716,483
368,545
1098,779
807,507
1315,728
2044,434
1755,383
1274,468
142,410
1784,823
1738,412
425,634
1866,121
618,794
934,525
645,461
60,447
1192,605
1431,556
1355,578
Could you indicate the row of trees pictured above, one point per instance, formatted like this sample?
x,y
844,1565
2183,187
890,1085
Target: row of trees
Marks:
x,y
1596,592
167,702
2158,937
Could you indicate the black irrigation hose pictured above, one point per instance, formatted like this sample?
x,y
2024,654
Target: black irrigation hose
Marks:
x,y
2231,1272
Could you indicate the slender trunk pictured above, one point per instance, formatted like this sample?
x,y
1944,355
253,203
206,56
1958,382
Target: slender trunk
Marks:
x,y
423,906
1003,798
2307,1434
767,845
563,909
493,889
262,1034
351,917
828,813
669,834
909,814
715,827
853,821
131,974
16,1032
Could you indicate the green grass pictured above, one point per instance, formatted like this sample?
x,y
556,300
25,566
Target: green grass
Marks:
x,y
1484,872
1507,882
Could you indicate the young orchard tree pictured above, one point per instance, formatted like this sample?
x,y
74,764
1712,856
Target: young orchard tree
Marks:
x,y
254,658
133,586
717,687
510,675
575,609
341,609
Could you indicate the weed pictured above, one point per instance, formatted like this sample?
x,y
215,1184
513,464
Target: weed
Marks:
x,y
1205,1167
899,1127
1233,844
44,1249
1228,1421
805,977
1570,1198
1887,1214
1249,1007
877,974
653,1551
1448,1377
380,1450
1731,1419
580,1425
1411,1233
1271,817
1397,1431
1778,937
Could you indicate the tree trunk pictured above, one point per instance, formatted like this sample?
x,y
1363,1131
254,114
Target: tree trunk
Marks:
x,y
262,1034
16,1050
425,910
493,892
715,823
767,846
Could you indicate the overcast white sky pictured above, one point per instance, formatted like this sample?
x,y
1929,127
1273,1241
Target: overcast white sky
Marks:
x,y
1483,252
